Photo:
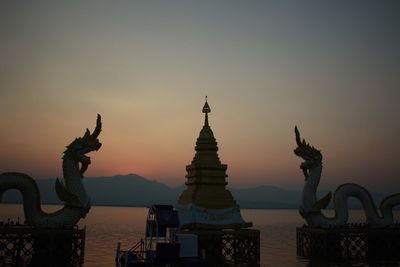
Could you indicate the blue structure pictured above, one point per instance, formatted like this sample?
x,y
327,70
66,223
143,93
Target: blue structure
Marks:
x,y
161,245
161,227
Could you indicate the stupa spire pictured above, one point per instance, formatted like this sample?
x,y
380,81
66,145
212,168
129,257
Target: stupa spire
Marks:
x,y
206,110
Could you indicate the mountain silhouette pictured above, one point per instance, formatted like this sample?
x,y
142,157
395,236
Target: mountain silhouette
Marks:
x,y
137,191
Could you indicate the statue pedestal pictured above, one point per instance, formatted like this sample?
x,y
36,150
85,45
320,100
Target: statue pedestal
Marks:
x,y
349,243
30,246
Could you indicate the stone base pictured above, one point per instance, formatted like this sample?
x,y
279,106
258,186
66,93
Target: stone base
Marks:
x,y
42,247
349,243
195,217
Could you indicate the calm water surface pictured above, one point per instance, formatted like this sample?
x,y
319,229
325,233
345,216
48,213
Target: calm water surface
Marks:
x,y
105,226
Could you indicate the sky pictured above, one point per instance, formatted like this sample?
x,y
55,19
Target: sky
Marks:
x,y
330,67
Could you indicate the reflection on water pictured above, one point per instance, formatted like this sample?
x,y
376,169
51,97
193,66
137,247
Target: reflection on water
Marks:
x,y
105,226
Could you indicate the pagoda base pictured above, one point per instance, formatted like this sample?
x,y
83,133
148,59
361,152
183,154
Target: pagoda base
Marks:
x,y
194,217
238,247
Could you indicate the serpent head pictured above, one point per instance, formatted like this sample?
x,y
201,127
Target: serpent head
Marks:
x,y
310,154
83,145
73,191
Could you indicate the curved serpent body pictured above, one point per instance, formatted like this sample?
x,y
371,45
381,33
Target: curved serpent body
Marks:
x,y
311,208
73,194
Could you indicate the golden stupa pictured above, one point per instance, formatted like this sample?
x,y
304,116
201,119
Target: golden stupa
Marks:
x,y
206,203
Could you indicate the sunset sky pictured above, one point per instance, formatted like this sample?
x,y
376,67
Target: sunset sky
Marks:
x,y
330,67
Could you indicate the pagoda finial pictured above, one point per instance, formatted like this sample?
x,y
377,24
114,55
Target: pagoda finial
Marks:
x,y
206,110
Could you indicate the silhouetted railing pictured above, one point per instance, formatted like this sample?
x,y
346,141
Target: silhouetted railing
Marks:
x,y
350,242
23,245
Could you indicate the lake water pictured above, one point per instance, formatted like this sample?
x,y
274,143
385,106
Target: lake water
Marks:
x,y
105,226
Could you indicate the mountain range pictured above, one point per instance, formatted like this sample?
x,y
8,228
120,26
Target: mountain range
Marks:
x,y
135,190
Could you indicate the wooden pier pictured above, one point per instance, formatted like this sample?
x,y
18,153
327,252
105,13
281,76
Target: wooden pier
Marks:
x,y
22,245
350,242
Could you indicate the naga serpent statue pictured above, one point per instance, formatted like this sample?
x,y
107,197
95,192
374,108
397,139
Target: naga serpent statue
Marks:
x,y
310,208
73,194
